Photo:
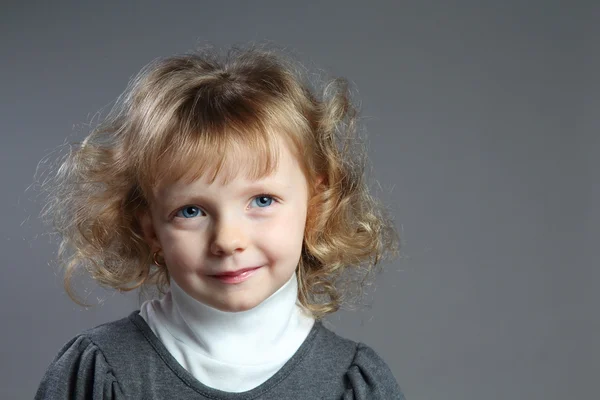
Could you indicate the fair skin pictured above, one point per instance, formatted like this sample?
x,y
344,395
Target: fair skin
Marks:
x,y
205,229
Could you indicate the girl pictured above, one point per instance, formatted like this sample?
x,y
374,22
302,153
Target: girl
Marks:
x,y
238,192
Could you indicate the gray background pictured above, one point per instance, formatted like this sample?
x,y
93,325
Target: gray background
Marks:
x,y
483,122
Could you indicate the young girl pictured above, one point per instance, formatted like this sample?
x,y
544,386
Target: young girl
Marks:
x,y
238,191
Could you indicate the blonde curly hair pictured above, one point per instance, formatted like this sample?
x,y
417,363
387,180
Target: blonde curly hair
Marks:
x,y
177,119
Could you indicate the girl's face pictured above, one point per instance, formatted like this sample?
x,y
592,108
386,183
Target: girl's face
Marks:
x,y
231,245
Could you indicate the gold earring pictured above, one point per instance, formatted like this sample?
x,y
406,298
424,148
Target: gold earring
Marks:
x,y
158,262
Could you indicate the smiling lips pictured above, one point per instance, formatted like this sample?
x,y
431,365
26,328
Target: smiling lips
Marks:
x,y
236,276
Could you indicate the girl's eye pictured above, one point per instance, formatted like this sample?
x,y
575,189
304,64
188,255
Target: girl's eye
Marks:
x,y
263,200
189,212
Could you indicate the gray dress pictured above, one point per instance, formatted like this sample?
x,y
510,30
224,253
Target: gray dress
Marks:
x,y
125,360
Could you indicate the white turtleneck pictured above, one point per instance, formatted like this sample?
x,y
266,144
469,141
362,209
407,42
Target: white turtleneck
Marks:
x,y
233,352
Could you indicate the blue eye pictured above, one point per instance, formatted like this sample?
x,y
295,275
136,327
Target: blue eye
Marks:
x,y
263,200
189,212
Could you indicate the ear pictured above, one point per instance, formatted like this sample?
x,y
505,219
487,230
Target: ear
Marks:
x,y
148,231
319,183
319,180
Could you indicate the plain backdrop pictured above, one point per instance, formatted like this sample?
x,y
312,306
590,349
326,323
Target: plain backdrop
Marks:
x,y
483,121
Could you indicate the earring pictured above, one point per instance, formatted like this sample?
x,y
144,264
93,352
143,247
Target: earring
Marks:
x,y
156,260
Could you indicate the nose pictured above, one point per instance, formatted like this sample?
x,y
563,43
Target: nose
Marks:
x,y
229,238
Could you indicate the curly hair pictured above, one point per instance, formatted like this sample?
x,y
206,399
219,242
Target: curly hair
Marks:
x,y
176,120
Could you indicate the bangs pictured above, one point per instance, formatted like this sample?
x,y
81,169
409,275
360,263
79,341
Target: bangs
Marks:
x,y
225,154
224,148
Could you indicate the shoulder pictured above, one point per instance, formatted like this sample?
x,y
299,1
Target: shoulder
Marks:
x,y
85,366
366,374
79,370
331,346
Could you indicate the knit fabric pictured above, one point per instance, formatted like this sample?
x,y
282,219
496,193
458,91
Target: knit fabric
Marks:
x,y
123,359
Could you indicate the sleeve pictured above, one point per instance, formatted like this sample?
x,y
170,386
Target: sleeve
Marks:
x,y
369,378
79,371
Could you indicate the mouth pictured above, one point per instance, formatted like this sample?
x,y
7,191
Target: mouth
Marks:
x,y
237,276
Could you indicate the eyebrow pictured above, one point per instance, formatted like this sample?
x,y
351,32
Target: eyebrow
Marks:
x,y
258,186
254,187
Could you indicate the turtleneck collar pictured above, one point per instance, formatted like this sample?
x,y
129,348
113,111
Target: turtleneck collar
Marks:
x,y
233,352
244,338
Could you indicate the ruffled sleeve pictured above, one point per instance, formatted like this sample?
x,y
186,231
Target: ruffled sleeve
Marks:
x,y
79,371
369,378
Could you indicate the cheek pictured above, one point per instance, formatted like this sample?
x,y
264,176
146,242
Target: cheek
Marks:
x,y
182,247
284,235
